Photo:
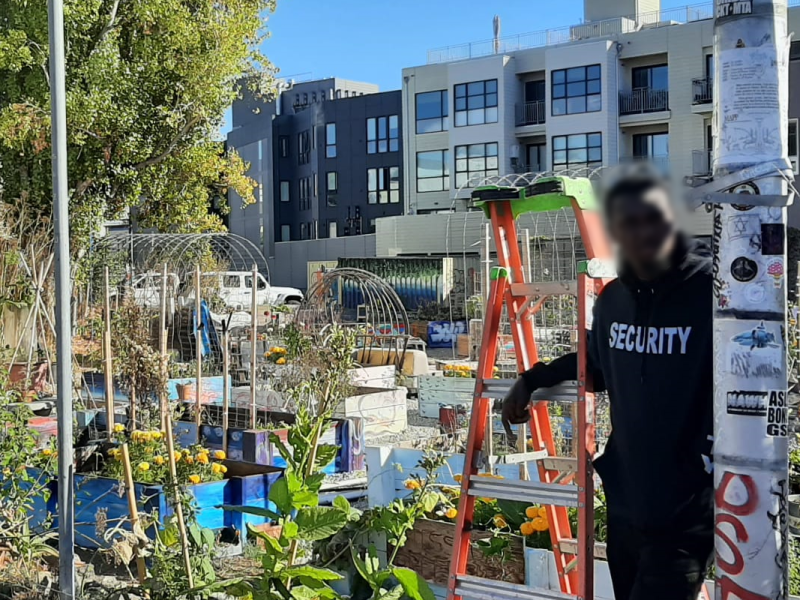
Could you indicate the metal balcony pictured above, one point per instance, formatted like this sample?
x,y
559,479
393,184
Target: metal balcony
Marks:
x,y
702,163
702,90
659,163
531,113
643,100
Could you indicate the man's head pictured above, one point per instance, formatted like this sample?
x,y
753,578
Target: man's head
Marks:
x,y
641,221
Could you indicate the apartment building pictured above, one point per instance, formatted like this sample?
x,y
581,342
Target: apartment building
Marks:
x,y
630,83
326,156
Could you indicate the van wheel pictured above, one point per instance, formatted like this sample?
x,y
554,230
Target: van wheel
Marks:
x,y
292,303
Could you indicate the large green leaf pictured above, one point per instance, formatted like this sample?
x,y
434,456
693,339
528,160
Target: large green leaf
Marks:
x,y
394,594
267,539
318,523
414,586
316,573
279,495
253,510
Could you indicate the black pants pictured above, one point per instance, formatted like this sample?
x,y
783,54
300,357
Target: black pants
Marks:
x,y
664,566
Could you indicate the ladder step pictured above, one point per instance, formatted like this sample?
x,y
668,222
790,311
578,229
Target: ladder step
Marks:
x,y
562,464
565,392
478,588
571,547
544,288
534,492
521,457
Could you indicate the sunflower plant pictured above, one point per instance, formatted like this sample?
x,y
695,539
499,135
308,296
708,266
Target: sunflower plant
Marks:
x,y
150,460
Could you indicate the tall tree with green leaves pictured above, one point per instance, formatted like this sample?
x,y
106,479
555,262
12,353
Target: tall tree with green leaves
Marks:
x,y
148,83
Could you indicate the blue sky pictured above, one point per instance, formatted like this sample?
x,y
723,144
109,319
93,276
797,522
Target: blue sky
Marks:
x,y
372,40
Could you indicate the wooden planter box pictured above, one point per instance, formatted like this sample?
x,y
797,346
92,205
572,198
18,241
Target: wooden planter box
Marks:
x,y
430,547
98,500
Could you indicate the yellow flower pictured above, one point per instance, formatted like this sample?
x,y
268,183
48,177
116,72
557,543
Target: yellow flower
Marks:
x,y
188,460
526,528
280,361
195,479
202,458
451,513
155,435
219,455
144,466
178,457
115,453
223,469
215,468
532,512
499,521
6,472
543,512
186,452
267,354
119,428
539,524
47,452
459,478
412,484
159,460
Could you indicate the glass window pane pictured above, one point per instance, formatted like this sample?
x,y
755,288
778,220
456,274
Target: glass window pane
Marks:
x,y
429,105
461,179
381,179
491,115
576,89
394,145
461,90
330,132
372,197
576,105
383,197
559,91
475,88
559,107
576,141
558,77
491,162
461,151
445,105
393,126
382,128
559,156
593,86
461,104
394,197
560,142
371,149
477,164
461,118
446,161
594,103
792,138
491,99
476,150
491,86
445,124
594,139
476,117
429,126
593,72
394,178
491,149
331,181
577,156
659,78
461,164
382,146
595,154
372,179
429,164
370,129
576,74
474,102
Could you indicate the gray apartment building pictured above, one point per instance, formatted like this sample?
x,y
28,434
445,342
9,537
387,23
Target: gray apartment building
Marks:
x,y
327,158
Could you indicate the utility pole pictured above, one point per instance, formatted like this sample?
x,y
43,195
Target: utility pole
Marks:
x,y
58,116
750,369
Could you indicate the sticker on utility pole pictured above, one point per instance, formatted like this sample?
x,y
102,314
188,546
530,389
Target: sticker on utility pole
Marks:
x,y
750,111
734,8
777,414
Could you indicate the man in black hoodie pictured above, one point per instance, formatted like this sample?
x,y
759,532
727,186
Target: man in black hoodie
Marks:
x,y
651,348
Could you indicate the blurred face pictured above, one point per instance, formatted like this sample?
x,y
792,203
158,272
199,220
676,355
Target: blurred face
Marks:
x,y
643,226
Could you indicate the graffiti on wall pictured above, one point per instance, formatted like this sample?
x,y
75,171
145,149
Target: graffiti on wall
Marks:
x,y
444,334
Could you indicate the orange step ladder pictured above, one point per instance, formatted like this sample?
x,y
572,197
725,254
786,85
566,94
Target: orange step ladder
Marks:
x,y
563,482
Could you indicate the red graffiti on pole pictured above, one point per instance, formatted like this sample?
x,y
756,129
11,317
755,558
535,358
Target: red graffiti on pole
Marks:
x,y
729,513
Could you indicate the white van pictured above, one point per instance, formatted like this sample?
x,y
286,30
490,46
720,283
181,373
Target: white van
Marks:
x,y
146,290
235,288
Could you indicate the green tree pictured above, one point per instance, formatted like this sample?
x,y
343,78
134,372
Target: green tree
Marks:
x,y
148,82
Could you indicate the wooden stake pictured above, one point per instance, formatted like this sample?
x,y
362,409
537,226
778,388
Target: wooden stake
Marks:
x,y
225,386
108,361
198,351
132,411
162,344
141,569
253,342
173,471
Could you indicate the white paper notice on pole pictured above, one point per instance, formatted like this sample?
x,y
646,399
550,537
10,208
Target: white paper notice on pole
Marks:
x,y
750,110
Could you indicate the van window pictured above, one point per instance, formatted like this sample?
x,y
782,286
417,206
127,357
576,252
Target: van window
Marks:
x,y
231,281
248,282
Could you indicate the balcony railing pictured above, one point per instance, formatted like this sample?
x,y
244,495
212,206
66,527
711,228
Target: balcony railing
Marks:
x,y
531,113
660,163
702,163
643,100
702,90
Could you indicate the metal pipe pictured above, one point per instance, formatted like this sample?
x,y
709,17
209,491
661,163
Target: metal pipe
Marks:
x,y
750,369
58,116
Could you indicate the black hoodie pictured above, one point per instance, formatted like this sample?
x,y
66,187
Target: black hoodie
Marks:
x,y
651,348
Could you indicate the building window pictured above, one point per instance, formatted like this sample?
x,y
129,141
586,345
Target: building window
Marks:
x,y
382,134
286,233
432,111
330,140
284,144
575,151
653,78
303,147
651,146
535,158
285,196
793,144
316,186
474,163
302,231
333,182
576,90
476,103
332,229
433,171
383,185
302,195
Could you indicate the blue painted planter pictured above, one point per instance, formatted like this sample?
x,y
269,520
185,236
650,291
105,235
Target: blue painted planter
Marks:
x,y
99,499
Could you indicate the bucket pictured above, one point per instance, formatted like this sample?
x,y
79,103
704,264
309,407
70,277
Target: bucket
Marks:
x,y
448,418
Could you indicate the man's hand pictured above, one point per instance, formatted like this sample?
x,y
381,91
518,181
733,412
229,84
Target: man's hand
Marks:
x,y
515,407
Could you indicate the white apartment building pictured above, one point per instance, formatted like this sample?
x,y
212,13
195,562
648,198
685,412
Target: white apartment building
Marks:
x,y
633,82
